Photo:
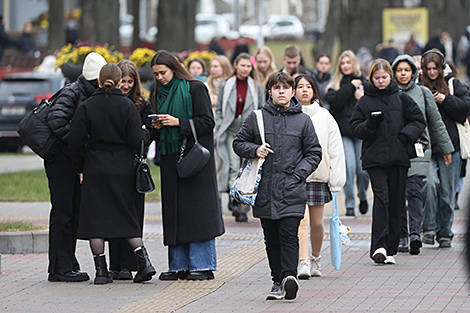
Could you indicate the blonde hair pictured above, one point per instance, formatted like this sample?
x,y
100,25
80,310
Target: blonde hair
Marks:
x,y
226,69
336,80
377,65
264,76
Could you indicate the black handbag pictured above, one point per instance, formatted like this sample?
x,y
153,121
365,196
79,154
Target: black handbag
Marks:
x,y
143,179
190,164
35,132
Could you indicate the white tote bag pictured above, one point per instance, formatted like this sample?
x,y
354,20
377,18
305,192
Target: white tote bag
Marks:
x,y
464,130
245,187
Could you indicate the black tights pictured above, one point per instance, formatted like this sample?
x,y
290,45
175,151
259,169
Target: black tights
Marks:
x,y
97,244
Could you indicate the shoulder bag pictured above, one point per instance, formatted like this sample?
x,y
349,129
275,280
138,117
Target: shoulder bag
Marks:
x,y
190,164
143,179
35,132
245,187
335,241
463,129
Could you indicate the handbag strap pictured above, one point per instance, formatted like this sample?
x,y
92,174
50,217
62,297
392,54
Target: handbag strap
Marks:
x,y
334,207
185,140
259,119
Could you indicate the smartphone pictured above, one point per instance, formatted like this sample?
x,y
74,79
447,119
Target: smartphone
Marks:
x,y
376,113
360,88
153,116
434,91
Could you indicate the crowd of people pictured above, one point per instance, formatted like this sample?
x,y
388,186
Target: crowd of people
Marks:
x,y
325,130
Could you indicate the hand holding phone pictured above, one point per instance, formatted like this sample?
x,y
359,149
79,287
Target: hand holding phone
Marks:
x,y
376,113
153,116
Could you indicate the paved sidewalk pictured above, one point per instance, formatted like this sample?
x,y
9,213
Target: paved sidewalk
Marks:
x,y
434,281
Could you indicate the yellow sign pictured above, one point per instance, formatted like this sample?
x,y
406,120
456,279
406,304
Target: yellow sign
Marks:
x,y
399,23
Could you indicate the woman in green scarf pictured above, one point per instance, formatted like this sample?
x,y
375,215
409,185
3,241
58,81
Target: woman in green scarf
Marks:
x,y
192,217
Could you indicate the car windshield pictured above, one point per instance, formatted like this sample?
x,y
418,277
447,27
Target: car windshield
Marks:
x,y
24,87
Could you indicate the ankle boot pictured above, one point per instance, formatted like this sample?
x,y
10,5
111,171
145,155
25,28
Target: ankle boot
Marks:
x,y
145,269
102,275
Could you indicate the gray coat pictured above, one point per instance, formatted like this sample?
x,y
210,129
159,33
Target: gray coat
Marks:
x,y
435,126
225,115
297,153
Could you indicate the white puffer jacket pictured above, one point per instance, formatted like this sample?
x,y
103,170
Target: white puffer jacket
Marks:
x,y
332,168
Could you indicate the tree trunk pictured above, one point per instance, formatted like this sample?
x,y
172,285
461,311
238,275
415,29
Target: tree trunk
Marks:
x,y
325,44
56,25
441,12
176,21
133,7
100,22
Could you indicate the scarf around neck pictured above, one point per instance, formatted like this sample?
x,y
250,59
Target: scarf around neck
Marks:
x,y
173,99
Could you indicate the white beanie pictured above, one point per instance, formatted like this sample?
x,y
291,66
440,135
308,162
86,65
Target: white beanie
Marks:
x,y
92,66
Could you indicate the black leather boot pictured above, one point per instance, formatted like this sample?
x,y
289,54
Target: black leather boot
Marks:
x,y
102,275
145,269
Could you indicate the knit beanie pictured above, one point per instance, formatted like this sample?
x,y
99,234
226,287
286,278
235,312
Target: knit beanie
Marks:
x,y
92,66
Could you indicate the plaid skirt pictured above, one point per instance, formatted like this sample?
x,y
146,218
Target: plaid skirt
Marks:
x,y
318,193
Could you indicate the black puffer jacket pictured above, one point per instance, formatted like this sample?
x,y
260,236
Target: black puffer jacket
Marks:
x,y
297,153
402,124
61,114
342,102
454,108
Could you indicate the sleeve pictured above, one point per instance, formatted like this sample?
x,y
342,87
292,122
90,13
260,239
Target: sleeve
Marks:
x,y
338,99
436,127
218,107
134,129
78,137
247,140
337,177
61,114
358,122
457,106
203,116
146,109
312,153
414,119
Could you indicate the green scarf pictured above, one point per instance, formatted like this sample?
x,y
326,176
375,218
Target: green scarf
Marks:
x,y
174,99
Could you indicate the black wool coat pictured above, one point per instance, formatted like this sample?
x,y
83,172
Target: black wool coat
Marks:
x,y
105,133
297,153
190,207
402,124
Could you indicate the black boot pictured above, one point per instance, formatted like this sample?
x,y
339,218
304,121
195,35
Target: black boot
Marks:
x,y
102,275
457,201
145,269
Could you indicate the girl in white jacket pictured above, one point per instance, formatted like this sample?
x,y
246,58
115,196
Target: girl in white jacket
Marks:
x,y
330,176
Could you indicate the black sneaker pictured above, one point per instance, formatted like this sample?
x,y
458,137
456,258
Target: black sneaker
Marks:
x,y
290,286
428,239
415,244
350,212
241,217
363,206
276,292
403,245
445,243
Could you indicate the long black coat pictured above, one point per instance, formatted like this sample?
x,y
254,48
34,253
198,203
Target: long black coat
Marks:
x,y
105,133
190,207
402,125
297,153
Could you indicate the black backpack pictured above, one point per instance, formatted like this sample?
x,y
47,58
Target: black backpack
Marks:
x,y
34,130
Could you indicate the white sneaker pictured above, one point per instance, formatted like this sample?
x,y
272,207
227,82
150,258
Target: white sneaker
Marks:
x,y
379,255
303,269
389,260
290,286
315,266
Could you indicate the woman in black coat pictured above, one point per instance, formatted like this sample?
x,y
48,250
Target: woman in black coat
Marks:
x,y
106,131
121,255
345,88
192,217
387,121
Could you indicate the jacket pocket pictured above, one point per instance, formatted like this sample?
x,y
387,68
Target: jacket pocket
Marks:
x,y
294,191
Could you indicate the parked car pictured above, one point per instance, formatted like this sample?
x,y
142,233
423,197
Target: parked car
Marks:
x,y
278,27
209,26
19,94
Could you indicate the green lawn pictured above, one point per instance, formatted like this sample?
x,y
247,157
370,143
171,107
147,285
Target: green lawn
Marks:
x,y
32,186
20,226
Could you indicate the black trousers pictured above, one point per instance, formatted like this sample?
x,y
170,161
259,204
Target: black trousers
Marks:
x,y
65,192
121,254
388,185
413,213
282,246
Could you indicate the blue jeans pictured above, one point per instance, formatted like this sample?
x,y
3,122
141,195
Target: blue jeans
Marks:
x,y
352,152
439,196
194,256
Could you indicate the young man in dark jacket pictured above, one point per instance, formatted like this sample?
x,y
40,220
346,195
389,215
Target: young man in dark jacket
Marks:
x,y
292,153
64,185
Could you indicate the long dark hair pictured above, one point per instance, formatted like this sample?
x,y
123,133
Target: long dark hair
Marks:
x,y
245,56
128,68
439,83
163,57
311,82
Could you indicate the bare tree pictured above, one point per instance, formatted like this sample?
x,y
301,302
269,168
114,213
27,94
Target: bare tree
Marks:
x,y
56,24
133,7
176,20
100,21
